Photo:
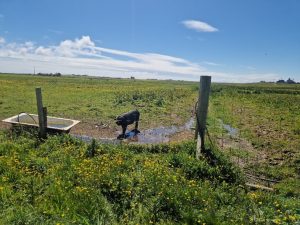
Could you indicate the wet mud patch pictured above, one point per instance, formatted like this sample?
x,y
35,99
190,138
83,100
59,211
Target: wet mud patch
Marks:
x,y
240,150
245,155
162,134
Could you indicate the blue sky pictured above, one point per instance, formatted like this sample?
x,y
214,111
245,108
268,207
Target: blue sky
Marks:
x,y
232,40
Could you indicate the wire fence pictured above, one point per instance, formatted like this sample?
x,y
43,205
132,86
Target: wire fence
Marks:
x,y
248,154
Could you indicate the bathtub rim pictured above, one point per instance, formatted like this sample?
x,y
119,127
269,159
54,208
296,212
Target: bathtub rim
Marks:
x,y
9,120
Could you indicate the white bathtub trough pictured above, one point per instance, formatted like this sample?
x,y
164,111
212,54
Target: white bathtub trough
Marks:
x,y
54,124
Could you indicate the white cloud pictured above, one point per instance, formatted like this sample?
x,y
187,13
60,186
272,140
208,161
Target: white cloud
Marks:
x,y
211,63
79,46
84,42
82,56
199,26
2,40
43,51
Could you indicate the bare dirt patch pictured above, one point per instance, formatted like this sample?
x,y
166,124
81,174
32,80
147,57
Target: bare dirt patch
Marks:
x,y
4,126
182,136
95,130
102,131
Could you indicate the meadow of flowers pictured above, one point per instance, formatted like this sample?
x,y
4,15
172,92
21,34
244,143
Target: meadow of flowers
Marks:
x,y
65,181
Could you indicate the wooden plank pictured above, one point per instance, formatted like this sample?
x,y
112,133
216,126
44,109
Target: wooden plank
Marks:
x,y
259,187
39,101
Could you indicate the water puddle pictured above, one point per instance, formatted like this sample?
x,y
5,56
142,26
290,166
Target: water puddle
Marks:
x,y
231,131
149,136
160,134
89,139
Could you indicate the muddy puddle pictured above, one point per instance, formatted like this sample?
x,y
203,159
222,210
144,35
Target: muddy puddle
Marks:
x,y
150,136
89,139
230,130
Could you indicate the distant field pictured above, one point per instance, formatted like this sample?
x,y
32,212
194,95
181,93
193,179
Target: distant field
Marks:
x,y
97,101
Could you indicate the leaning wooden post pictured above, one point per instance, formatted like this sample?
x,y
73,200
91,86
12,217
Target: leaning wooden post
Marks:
x,y
201,113
42,113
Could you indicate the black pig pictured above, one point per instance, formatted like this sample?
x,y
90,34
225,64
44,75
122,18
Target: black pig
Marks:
x,y
126,119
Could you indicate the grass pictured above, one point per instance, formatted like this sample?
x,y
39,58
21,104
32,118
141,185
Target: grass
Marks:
x,y
59,182
65,181
268,117
94,100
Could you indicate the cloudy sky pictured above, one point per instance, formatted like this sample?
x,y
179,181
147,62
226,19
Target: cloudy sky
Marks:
x,y
232,40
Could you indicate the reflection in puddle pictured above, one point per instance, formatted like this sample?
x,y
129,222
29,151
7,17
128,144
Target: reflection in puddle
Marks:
x,y
150,136
159,134
231,131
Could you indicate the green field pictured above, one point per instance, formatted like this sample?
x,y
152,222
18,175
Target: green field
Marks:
x,y
268,117
65,181
95,100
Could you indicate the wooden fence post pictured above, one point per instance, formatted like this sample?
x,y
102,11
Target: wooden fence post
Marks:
x,y
45,118
201,113
42,113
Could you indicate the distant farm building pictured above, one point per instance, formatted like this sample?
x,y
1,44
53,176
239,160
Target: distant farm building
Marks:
x,y
288,81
